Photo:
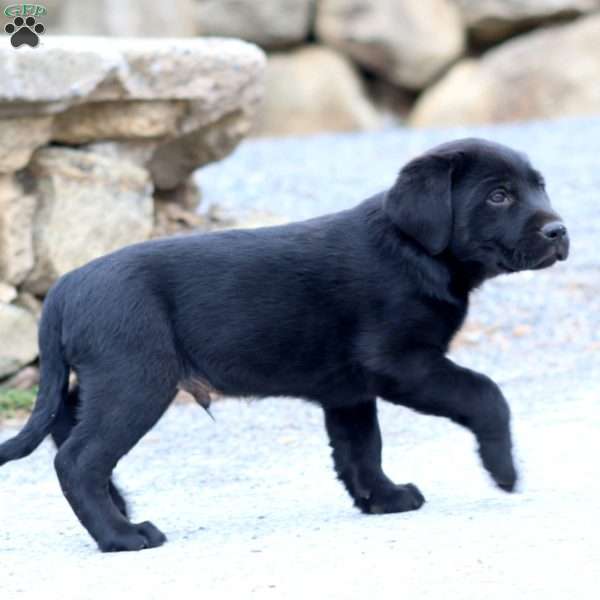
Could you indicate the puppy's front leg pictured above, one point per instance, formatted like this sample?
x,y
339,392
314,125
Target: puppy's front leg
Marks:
x,y
433,384
356,442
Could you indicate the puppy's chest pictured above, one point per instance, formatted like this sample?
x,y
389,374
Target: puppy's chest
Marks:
x,y
453,318
442,321
407,325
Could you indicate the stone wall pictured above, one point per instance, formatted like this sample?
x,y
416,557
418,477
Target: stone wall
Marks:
x,y
98,139
424,62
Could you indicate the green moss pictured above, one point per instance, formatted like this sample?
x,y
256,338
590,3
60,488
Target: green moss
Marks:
x,y
14,401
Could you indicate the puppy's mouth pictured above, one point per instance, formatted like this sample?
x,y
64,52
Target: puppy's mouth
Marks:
x,y
504,268
542,263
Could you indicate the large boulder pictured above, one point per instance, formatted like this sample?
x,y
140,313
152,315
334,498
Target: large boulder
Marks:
x,y
8,293
187,102
547,73
89,205
19,137
176,159
269,23
310,90
133,18
118,120
19,338
492,20
409,43
16,222
64,71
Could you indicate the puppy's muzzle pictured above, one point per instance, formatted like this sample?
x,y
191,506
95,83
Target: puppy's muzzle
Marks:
x,y
556,234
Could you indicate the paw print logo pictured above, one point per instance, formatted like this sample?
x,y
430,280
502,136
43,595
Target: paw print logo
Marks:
x,y
24,31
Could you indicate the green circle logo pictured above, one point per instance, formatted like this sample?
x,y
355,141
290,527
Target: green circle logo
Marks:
x,y
25,10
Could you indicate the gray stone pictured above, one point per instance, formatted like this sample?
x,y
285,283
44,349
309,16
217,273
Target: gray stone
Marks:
x,y
89,205
188,195
407,42
19,338
16,225
174,161
136,152
118,120
269,23
171,159
70,70
311,90
19,137
131,18
493,20
171,218
8,293
30,303
547,73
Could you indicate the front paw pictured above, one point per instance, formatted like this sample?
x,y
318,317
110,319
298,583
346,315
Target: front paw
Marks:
x,y
496,456
394,499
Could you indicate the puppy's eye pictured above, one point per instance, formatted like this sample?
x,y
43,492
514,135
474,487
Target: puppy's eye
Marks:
x,y
499,198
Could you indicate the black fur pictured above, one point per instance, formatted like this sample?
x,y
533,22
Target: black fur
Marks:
x,y
60,430
338,310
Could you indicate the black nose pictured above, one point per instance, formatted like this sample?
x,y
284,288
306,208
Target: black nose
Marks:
x,y
554,231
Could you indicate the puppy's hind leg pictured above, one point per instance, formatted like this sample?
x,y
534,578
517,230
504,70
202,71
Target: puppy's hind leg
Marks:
x,y
117,410
356,442
63,425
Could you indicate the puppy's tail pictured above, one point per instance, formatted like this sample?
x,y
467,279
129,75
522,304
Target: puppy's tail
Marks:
x,y
54,384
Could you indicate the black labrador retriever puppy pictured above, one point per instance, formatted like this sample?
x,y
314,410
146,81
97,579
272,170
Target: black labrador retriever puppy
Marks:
x,y
338,310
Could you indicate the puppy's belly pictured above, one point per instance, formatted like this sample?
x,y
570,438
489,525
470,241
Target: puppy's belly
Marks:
x,y
328,386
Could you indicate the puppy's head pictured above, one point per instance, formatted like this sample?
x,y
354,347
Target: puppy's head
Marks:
x,y
482,203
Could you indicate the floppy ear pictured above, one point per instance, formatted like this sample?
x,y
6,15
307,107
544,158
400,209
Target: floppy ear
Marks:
x,y
420,202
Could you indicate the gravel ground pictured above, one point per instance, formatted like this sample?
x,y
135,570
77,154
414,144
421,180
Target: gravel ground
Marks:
x,y
250,504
